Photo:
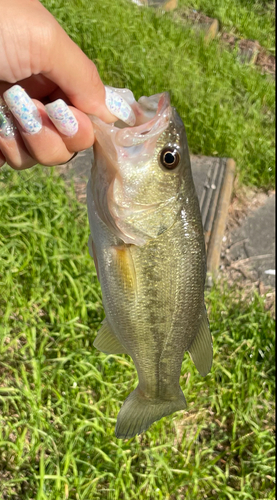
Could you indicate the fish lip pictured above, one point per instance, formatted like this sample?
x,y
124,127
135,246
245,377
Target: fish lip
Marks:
x,y
146,128
151,128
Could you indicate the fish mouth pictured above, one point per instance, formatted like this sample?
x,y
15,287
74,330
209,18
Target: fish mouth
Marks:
x,y
123,159
152,118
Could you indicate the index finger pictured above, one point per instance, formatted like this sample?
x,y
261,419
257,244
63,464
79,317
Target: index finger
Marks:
x,y
78,78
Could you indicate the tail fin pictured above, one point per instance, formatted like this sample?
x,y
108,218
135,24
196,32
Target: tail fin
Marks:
x,y
138,413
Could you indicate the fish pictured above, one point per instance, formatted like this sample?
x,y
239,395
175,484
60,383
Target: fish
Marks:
x,y
147,242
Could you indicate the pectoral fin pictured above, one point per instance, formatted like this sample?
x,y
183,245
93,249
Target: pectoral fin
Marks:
x,y
201,350
123,263
107,342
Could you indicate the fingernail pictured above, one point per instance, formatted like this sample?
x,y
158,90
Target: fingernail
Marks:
x,y
62,117
7,126
23,108
119,107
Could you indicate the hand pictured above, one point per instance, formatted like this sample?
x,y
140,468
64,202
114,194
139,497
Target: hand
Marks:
x,y
37,55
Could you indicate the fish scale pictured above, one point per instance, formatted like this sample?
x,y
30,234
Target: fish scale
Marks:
x,y
149,251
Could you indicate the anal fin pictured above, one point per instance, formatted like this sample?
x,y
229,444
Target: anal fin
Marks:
x,y
107,342
201,350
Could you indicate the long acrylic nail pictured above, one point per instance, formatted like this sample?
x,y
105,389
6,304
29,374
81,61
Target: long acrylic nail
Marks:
x,y
7,126
119,107
62,117
23,108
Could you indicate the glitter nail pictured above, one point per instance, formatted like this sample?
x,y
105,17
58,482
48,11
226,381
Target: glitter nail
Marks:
x,y
23,108
119,107
62,117
7,126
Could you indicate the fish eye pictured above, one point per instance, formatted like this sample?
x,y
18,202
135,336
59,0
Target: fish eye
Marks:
x,y
169,158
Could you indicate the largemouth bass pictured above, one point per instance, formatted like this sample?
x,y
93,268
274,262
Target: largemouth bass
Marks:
x,y
148,246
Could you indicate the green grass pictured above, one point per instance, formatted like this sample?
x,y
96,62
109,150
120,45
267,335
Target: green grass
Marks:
x,y
253,19
59,397
228,108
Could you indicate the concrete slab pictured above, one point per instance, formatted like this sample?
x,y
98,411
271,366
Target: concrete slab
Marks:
x,y
251,247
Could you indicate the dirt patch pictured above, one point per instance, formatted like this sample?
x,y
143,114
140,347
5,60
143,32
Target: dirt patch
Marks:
x,y
245,281
240,272
192,16
266,62
249,51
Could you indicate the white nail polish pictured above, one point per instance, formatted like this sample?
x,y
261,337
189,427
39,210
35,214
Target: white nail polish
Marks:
x,y
119,107
62,117
23,109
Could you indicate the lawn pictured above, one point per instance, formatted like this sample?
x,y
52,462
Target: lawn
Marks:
x,y
59,397
228,108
